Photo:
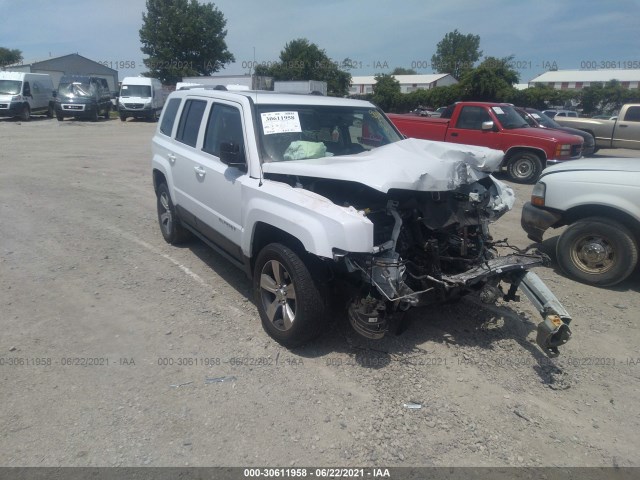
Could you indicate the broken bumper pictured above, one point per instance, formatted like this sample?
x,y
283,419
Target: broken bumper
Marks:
x,y
535,221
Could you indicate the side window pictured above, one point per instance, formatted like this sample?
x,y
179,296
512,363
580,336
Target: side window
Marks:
x,y
190,122
224,126
26,89
169,116
632,115
471,118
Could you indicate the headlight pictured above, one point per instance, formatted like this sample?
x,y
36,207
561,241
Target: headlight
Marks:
x,y
16,98
563,150
537,196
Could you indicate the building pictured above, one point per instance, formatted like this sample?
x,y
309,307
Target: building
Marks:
x,y
408,83
72,64
577,79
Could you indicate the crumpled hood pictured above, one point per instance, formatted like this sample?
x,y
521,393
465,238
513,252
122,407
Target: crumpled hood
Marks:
x,y
409,164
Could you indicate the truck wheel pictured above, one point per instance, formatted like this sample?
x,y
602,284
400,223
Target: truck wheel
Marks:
x,y
51,111
598,251
123,118
25,114
172,231
290,303
524,167
60,117
107,111
94,116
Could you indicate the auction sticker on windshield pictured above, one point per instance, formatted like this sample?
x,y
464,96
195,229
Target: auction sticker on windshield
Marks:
x,y
498,110
280,122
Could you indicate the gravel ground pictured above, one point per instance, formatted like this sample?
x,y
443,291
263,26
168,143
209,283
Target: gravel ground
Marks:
x,y
120,350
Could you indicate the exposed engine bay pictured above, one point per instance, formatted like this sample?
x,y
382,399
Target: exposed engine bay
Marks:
x,y
431,239
432,247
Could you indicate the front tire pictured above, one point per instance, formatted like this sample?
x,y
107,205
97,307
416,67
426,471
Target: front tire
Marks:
x,y
598,251
524,167
107,112
25,114
172,231
291,304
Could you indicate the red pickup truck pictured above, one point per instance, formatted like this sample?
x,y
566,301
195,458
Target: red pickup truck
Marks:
x,y
496,125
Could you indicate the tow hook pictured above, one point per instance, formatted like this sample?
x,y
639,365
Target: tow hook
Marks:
x,y
552,333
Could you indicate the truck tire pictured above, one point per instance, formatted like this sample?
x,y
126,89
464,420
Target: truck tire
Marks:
x,y
25,113
172,231
598,251
291,304
51,111
123,118
107,112
94,115
524,167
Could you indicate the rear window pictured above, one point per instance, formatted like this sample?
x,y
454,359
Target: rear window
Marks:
x,y
632,115
190,122
169,117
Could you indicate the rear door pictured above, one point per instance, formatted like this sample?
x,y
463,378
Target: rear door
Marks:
x,y
468,128
626,133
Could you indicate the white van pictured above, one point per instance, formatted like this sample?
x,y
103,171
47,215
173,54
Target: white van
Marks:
x,y
140,97
23,94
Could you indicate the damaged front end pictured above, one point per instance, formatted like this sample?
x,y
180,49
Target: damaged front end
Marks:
x,y
433,247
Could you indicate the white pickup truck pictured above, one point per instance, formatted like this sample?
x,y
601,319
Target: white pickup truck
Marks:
x,y
322,201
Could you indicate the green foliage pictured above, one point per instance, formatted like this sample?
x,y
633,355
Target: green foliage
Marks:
x,y
386,92
183,38
303,60
403,71
456,54
607,98
9,56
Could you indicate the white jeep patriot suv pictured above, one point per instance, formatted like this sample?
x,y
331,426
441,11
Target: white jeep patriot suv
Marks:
x,y
321,199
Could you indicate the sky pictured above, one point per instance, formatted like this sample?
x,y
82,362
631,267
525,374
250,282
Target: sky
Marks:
x,y
377,35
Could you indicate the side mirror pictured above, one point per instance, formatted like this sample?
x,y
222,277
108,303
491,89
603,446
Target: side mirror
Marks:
x,y
487,126
232,154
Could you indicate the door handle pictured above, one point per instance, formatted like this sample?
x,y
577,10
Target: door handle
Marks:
x,y
622,126
453,134
172,158
200,171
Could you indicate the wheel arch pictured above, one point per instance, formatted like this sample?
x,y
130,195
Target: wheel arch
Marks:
x,y
585,211
512,151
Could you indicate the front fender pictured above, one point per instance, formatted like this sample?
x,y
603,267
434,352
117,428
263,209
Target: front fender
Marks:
x,y
319,224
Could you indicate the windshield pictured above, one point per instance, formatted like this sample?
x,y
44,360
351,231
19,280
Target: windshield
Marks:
x,y
543,120
76,89
508,117
289,132
143,91
10,87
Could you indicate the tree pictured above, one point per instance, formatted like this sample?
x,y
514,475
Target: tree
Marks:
x,y
303,60
386,92
183,38
492,80
456,53
9,57
403,71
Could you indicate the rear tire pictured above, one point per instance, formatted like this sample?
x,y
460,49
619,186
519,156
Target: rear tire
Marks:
x,y
598,251
524,167
172,231
290,302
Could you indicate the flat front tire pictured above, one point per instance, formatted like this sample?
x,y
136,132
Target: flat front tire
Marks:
x,y
291,304
524,167
598,251
172,231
